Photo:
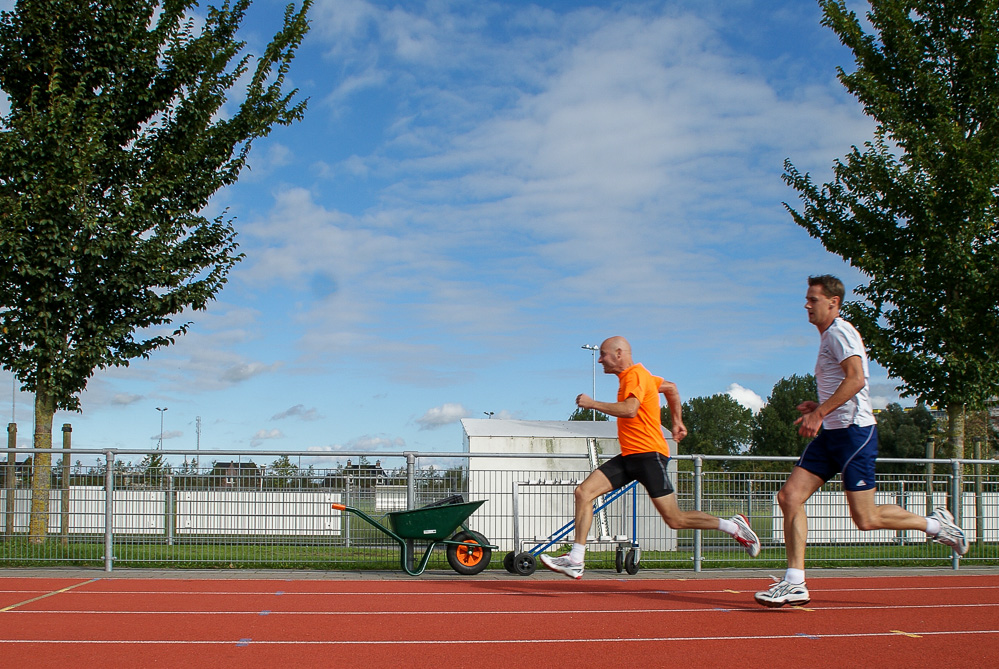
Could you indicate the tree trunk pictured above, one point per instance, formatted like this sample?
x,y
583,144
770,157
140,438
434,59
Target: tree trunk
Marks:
x,y
41,479
955,429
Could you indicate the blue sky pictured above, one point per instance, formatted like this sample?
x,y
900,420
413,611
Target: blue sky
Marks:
x,y
479,189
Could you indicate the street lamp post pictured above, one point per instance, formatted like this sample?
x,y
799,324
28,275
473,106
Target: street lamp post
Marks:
x,y
489,413
593,352
162,411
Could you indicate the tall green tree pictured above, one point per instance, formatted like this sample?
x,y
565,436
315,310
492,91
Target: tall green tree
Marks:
x,y
774,432
152,467
114,143
916,209
903,434
283,473
716,425
587,414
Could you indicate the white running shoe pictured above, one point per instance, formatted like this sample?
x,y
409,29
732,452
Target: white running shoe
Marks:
x,y
746,536
950,534
781,593
563,565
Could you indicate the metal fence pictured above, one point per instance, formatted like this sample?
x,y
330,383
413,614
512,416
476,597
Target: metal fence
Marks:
x,y
237,513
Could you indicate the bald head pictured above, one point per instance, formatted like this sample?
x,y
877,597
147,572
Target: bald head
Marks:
x,y
615,355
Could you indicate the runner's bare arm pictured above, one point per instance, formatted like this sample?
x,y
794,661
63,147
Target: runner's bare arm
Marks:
x,y
812,414
626,409
672,394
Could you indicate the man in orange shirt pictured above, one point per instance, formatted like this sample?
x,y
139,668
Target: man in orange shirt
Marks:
x,y
644,456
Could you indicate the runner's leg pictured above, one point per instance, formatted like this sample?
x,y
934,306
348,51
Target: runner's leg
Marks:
x,y
596,484
682,520
800,485
869,516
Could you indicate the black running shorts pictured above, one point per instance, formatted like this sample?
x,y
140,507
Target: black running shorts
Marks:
x,y
649,469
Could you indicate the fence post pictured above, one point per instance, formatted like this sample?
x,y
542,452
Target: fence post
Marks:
x,y
347,480
979,509
171,513
410,501
929,482
67,437
698,475
410,479
11,481
902,499
108,511
957,489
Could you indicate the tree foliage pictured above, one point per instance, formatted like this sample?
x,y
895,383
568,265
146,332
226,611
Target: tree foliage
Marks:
x,y
774,432
916,209
903,434
283,473
716,425
115,140
587,414
152,468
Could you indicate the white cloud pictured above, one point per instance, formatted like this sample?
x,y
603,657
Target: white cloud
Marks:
x,y
264,435
371,443
745,397
880,401
167,434
298,411
328,456
478,188
263,163
247,370
500,197
445,414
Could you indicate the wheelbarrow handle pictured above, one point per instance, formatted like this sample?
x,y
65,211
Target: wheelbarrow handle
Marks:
x,y
338,507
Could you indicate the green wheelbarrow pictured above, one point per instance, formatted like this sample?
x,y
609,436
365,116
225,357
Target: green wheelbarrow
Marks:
x,y
468,552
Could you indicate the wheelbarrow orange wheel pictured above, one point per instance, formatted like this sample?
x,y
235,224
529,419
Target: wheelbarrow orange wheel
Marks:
x,y
469,557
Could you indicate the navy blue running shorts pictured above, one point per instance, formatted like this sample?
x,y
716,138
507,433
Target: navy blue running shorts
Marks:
x,y
849,451
649,469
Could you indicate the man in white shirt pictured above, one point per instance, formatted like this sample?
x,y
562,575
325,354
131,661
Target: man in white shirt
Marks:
x,y
844,441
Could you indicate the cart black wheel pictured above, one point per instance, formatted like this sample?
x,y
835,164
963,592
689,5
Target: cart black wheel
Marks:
x,y
525,564
619,559
469,558
631,562
508,562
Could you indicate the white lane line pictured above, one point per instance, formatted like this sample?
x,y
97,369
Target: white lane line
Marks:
x,y
489,612
47,594
450,642
477,593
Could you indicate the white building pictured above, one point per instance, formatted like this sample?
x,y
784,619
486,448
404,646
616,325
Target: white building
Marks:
x,y
545,479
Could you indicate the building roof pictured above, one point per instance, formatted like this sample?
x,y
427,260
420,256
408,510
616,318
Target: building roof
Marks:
x,y
495,427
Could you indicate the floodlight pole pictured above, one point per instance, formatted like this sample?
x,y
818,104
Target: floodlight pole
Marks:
x,y
162,411
593,352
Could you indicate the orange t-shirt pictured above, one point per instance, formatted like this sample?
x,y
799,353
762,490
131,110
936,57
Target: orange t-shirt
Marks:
x,y
644,432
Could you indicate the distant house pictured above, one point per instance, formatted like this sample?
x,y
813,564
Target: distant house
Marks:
x,y
357,476
333,479
22,473
236,475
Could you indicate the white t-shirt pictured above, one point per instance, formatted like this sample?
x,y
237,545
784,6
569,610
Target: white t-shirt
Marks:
x,y
839,342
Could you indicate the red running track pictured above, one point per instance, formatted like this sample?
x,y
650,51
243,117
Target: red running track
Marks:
x,y
887,621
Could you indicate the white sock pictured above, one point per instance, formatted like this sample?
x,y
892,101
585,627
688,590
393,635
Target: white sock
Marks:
x,y
727,526
578,553
794,576
932,527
